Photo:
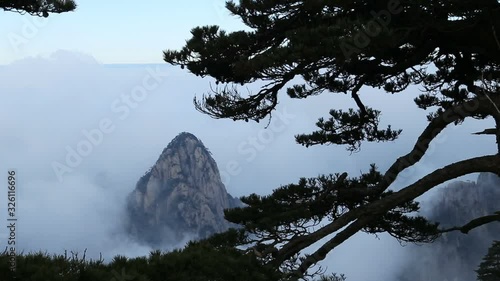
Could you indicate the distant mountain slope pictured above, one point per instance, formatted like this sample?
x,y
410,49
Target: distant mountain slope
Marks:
x,y
455,256
182,194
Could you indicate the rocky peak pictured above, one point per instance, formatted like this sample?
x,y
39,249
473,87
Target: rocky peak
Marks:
x,y
182,194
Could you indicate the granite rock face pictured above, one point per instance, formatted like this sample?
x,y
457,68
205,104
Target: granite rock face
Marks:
x,y
182,194
455,255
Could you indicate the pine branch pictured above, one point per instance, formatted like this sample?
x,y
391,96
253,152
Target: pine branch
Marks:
x,y
373,210
475,223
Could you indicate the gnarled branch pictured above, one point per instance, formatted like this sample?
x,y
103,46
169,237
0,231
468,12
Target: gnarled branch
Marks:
x,y
377,208
474,223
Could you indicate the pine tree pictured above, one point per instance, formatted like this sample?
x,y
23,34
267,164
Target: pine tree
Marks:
x,y
38,7
489,269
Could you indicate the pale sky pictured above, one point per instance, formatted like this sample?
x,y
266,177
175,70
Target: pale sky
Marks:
x,y
112,31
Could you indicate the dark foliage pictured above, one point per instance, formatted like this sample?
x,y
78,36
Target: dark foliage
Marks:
x,y
341,46
38,7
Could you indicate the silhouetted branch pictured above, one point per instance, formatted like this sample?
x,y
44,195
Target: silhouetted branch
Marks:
x,y
475,223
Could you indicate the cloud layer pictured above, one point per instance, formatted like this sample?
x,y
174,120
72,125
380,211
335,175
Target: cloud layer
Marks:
x,y
119,119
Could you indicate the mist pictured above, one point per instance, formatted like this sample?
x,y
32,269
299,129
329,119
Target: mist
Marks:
x,y
56,107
